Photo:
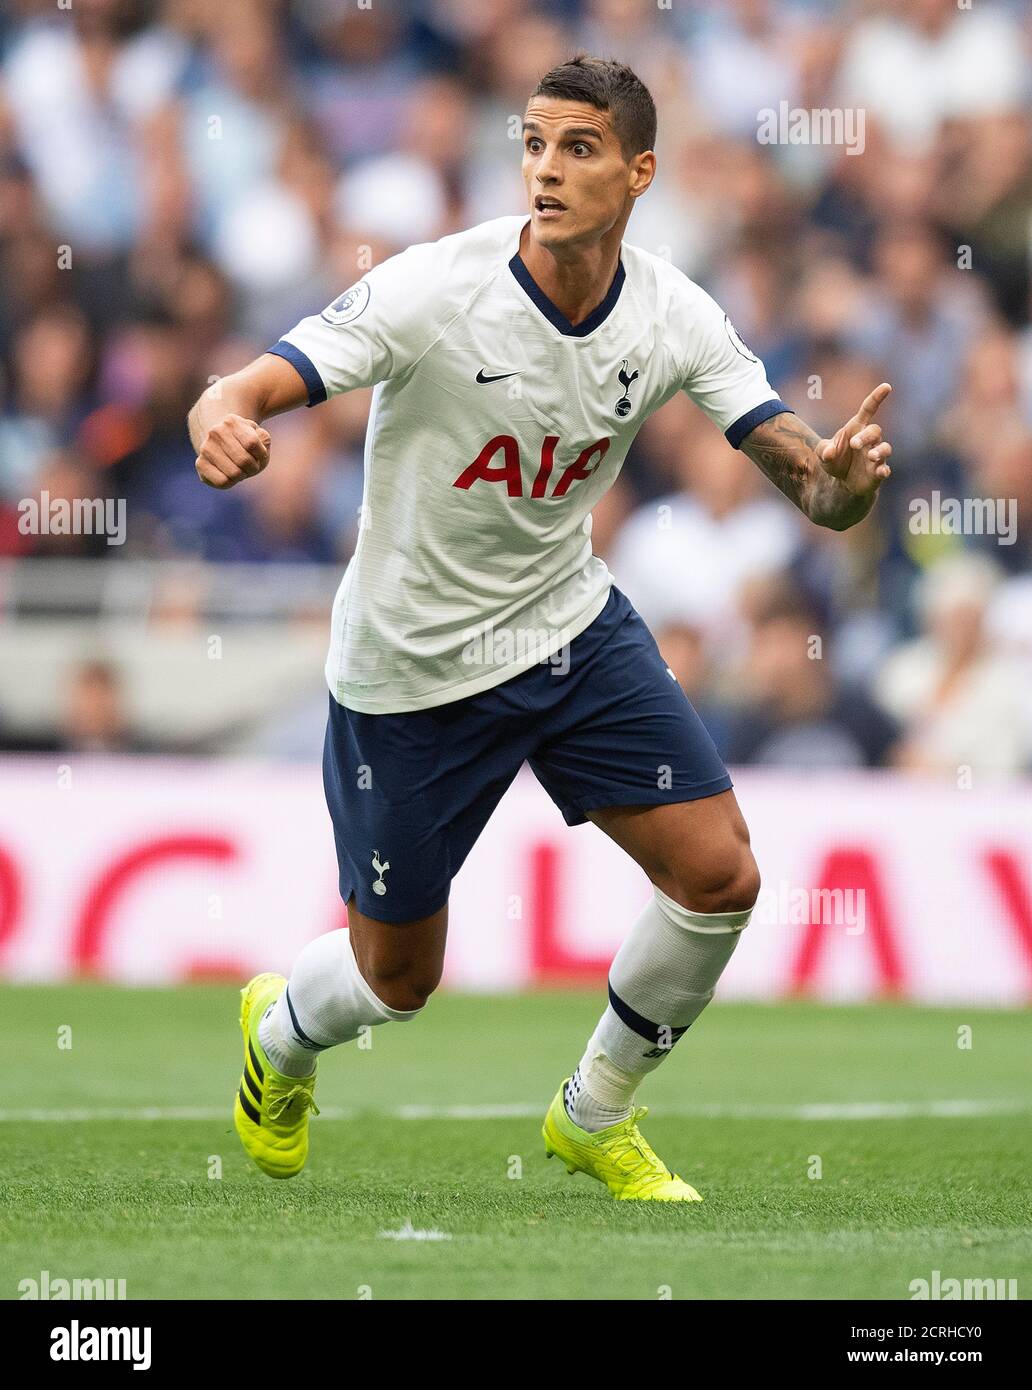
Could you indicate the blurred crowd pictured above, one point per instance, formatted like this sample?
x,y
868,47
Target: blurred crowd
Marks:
x,y
181,181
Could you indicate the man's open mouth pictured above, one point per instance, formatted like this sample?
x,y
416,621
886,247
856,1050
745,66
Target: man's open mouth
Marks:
x,y
544,203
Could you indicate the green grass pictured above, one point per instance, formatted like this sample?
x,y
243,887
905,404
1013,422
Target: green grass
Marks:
x,y
133,1199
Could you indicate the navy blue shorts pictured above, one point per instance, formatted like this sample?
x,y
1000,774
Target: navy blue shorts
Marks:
x,y
410,793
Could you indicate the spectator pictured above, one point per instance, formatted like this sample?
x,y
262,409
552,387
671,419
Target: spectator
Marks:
x,y
94,718
80,85
797,714
956,695
920,64
919,325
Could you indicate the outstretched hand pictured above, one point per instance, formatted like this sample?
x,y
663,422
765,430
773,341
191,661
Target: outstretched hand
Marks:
x,y
856,454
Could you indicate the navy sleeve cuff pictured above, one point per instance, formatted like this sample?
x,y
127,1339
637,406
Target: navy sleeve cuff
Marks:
x,y
305,368
734,434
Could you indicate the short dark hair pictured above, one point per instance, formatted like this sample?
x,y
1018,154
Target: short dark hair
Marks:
x,y
608,86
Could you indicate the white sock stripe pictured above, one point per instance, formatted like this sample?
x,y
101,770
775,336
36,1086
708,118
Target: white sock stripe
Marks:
x,y
723,923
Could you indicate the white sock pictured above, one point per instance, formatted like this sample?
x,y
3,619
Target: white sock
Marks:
x,y
661,979
326,1002
586,1110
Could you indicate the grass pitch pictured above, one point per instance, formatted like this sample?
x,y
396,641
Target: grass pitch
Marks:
x,y
427,1177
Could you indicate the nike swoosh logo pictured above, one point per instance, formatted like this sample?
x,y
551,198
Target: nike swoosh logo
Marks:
x,y
483,380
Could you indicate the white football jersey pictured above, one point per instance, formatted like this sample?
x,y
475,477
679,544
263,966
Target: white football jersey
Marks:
x,y
495,427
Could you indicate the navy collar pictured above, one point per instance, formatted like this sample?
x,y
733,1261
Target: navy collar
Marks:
x,y
555,315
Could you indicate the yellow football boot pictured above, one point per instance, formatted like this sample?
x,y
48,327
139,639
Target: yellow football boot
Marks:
x,y
618,1156
271,1110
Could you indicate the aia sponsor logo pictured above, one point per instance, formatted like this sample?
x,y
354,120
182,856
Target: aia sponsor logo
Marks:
x,y
499,461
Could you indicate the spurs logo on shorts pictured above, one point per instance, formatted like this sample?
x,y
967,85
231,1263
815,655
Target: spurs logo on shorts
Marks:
x,y
379,887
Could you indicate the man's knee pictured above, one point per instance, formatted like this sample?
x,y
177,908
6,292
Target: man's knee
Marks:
x,y
401,984
406,996
728,880
401,964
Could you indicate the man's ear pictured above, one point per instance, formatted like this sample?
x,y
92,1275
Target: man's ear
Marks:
x,y
643,168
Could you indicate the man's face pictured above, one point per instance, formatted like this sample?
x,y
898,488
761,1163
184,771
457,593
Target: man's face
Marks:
x,y
578,181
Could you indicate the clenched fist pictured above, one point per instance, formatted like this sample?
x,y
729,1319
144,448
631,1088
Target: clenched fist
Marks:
x,y
233,449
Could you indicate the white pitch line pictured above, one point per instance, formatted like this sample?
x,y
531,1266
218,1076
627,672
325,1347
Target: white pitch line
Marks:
x,y
830,1110
820,1110
409,1232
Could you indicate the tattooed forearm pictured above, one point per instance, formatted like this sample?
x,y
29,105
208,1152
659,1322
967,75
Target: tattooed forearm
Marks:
x,y
785,448
782,447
